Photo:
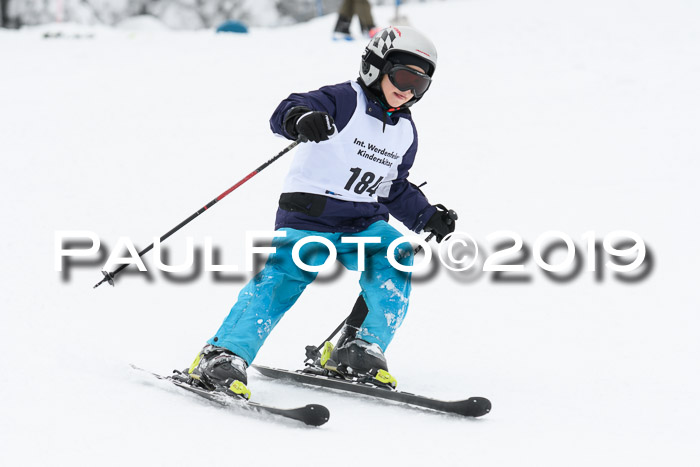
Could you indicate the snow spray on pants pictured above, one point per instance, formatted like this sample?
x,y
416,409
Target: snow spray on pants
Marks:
x,y
273,291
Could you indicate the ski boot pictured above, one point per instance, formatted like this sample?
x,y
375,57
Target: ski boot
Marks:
x,y
343,36
368,30
219,369
355,359
342,29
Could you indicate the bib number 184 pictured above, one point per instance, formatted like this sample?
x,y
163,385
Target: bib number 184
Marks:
x,y
364,184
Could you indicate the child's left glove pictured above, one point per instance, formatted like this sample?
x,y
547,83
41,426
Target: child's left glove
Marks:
x,y
309,125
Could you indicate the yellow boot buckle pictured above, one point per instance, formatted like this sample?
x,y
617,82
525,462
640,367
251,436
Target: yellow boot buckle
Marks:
x,y
195,363
239,388
326,354
385,377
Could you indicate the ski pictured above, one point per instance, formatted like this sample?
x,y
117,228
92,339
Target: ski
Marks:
x,y
311,414
472,407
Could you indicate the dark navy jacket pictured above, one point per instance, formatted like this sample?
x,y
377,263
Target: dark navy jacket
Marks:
x,y
405,201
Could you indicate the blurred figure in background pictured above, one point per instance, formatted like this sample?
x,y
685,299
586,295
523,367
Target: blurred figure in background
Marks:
x,y
348,9
4,23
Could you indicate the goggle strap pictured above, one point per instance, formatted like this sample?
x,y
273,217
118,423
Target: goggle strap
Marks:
x,y
378,62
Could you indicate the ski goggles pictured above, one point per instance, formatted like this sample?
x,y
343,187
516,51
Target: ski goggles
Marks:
x,y
405,79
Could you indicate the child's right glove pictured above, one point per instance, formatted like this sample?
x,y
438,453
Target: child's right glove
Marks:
x,y
309,125
442,223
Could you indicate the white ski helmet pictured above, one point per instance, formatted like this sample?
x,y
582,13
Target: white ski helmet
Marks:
x,y
396,40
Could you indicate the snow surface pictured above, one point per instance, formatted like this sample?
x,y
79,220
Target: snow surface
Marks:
x,y
544,115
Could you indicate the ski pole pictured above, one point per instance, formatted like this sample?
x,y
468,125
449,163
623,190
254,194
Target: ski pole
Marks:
x,y
109,276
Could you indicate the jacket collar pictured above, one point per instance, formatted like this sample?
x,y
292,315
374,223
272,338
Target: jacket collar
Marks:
x,y
377,108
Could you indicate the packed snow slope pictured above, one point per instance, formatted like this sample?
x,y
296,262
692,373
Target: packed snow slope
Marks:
x,y
544,115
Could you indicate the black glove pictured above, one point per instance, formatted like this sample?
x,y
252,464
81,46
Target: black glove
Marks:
x,y
441,223
309,125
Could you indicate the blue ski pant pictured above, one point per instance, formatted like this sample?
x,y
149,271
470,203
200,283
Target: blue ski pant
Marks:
x,y
273,291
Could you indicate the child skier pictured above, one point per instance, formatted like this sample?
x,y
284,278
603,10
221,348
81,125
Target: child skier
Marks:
x,y
350,174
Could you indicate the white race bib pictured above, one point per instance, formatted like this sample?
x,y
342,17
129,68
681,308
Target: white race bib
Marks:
x,y
357,164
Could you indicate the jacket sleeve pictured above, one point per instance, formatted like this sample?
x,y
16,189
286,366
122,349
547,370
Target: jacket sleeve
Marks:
x,y
338,100
405,201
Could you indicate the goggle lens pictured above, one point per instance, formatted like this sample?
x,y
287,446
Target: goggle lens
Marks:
x,y
405,79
